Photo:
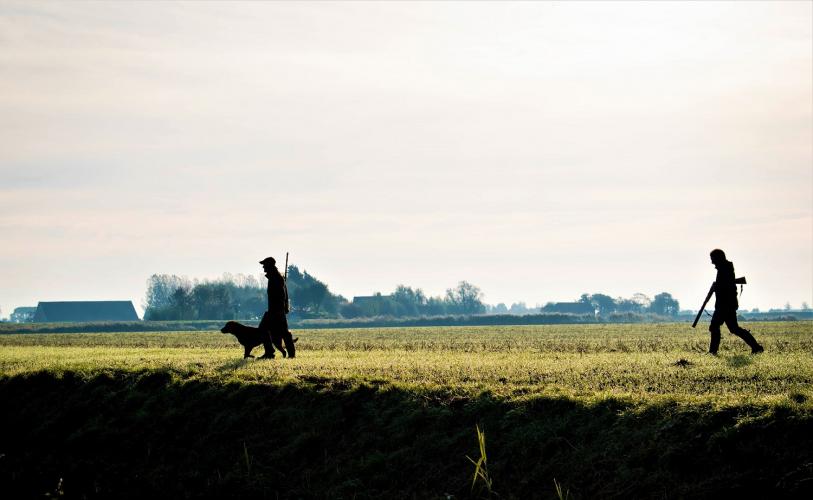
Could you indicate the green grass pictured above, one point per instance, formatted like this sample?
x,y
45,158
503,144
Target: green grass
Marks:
x,y
607,410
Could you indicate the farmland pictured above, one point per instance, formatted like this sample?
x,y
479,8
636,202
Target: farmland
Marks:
x,y
606,410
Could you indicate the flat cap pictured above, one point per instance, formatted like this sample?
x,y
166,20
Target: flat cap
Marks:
x,y
268,261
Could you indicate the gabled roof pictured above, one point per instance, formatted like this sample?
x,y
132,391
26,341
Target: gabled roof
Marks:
x,y
570,307
362,299
105,310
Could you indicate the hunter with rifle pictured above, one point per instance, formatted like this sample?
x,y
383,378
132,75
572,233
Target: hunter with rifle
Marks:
x,y
274,323
725,305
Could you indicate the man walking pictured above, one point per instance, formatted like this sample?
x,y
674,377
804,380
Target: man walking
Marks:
x,y
725,305
274,324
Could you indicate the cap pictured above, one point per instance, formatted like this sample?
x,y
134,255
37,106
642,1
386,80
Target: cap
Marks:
x,y
268,261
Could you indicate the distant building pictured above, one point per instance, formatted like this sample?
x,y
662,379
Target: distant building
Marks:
x,y
374,305
569,308
366,300
107,310
22,315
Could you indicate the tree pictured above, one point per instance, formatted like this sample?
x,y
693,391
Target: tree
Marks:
x,y
409,302
604,304
435,306
309,295
350,311
179,306
251,305
182,305
627,305
500,309
160,288
642,300
23,314
465,299
213,301
518,308
664,305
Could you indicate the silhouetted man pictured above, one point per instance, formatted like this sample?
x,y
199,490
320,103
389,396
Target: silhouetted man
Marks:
x,y
725,305
274,322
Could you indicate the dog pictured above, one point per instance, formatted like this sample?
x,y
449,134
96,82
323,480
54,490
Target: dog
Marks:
x,y
250,337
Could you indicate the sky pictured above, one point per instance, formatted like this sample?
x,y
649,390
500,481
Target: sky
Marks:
x,y
537,150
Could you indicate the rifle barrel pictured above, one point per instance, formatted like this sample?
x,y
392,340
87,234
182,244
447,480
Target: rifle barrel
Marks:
x,y
703,307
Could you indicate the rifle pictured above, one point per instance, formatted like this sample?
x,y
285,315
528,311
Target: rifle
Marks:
x,y
738,281
703,307
285,284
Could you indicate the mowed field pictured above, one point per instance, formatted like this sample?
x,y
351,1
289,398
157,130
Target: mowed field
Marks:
x,y
641,362
589,405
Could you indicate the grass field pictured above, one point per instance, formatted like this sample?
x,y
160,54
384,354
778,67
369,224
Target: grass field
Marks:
x,y
606,410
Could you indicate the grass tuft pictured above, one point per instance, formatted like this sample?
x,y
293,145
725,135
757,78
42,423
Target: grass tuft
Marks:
x,y
481,465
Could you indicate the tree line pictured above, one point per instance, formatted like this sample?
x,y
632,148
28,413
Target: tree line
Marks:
x,y
663,304
172,297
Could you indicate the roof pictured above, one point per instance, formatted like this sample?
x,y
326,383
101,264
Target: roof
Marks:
x,y
366,299
81,311
570,307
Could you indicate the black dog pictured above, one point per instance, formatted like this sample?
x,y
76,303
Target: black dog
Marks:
x,y
250,337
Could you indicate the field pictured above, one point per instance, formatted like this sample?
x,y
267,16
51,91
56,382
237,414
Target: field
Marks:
x,y
605,410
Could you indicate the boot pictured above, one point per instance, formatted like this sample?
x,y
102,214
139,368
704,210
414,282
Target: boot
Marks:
x,y
269,351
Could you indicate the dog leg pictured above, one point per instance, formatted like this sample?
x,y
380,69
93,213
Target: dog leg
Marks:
x,y
247,353
290,344
277,342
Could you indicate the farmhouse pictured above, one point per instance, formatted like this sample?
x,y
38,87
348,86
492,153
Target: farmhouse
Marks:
x,y
569,308
374,305
80,311
368,300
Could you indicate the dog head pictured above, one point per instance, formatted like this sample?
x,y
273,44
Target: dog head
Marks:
x,y
228,327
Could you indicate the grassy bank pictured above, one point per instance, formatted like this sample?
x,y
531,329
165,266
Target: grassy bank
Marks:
x,y
632,410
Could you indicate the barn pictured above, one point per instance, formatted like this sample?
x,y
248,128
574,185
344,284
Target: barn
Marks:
x,y
569,308
85,311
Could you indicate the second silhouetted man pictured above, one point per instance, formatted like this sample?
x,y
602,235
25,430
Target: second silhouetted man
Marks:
x,y
726,304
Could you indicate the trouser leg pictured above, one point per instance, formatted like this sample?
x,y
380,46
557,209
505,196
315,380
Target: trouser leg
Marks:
x,y
265,332
736,329
714,329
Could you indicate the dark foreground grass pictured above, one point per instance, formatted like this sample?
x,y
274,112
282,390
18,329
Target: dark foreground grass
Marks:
x,y
141,435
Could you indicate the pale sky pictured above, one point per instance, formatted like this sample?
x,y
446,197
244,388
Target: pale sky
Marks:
x,y
537,150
